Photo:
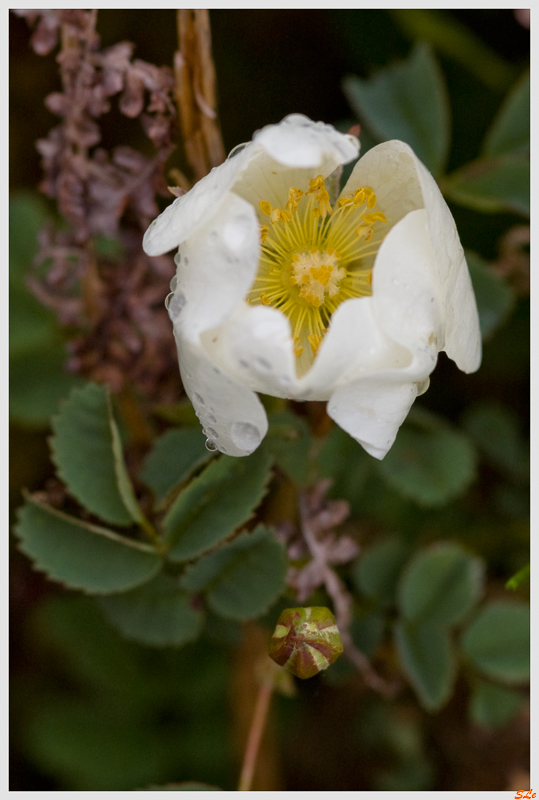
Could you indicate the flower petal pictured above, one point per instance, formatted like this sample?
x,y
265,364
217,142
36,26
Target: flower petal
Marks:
x,y
297,141
231,415
372,410
462,332
254,347
216,267
354,346
402,183
187,213
406,305
405,287
390,169
289,154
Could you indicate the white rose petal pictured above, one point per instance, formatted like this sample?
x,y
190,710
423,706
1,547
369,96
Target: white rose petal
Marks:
x,y
280,291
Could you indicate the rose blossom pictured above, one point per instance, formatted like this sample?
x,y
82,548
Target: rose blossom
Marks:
x,y
282,290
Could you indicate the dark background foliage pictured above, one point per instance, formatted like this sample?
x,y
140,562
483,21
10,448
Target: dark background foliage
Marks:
x,y
170,715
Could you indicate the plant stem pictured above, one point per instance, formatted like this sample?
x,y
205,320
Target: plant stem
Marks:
x,y
255,736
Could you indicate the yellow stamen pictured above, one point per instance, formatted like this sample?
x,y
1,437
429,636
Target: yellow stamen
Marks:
x,y
376,216
314,257
315,341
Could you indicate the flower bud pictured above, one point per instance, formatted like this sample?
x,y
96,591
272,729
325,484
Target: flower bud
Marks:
x,y
306,641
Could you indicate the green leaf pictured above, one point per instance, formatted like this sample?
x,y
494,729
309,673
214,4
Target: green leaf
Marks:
x,y
495,298
31,325
123,481
27,215
440,585
427,658
159,613
408,101
241,579
290,441
80,555
37,383
216,503
518,578
497,642
492,184
496,429
343,460
510,131
174,456
494,706
431,465
87,460
377,571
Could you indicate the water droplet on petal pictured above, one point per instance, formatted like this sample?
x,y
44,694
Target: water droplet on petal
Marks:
x,y
246,436
168,298
211,446
236,150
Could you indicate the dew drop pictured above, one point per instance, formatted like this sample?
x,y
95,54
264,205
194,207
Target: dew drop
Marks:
x,y
168,298
245,435
211,446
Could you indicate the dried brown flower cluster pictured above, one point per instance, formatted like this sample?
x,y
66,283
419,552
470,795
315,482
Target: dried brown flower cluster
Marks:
x,y
110,292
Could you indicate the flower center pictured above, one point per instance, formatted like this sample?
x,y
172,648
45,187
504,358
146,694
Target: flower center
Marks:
x,y
313,257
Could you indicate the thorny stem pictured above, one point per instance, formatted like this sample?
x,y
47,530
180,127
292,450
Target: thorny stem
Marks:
x,y
255,735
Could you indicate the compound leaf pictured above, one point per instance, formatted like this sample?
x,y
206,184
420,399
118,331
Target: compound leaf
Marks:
x,y
241,579
216,503
81,555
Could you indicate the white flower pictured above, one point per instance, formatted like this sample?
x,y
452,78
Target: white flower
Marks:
x,y
283,291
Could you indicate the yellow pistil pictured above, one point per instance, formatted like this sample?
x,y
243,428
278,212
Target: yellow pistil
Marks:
x,y
314,257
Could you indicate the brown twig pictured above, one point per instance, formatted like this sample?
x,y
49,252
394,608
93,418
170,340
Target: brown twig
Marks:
x,y
323,574
196,92
255,736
